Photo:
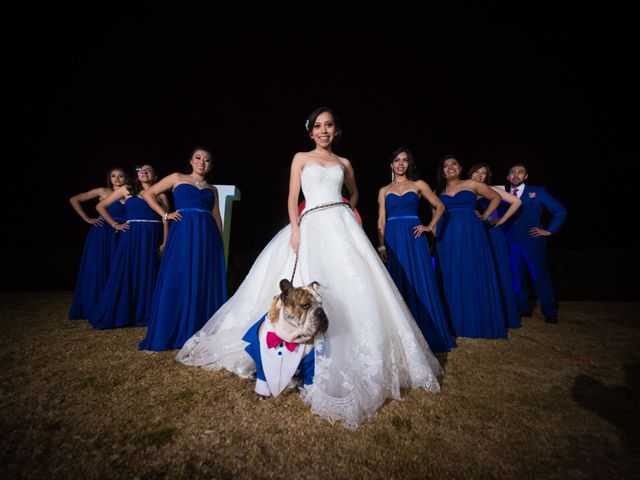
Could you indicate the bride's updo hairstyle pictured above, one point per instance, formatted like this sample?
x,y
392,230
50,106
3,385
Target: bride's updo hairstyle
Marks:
x,y
311,120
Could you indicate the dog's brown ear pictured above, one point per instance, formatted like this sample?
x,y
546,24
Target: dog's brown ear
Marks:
x,y
285,287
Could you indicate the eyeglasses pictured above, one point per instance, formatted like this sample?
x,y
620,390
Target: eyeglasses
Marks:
x,y
144,170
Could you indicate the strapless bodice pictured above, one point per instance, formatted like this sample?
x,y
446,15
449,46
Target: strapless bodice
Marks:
x,y
322,185
186,195
137,209
401,205
464,199
117,210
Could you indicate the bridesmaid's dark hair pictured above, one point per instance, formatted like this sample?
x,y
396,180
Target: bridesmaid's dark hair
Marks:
x,y
412,171
137,185
189,168
311,120
114,169
478,166
204,149
440,180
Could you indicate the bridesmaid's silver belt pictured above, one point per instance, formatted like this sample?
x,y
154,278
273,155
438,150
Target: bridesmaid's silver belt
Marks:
x,y
143,220
190,209
402,217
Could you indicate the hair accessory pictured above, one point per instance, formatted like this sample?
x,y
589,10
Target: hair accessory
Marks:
x,y
306,124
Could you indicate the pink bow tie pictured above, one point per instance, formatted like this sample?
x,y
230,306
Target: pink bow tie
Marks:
x,y
274,340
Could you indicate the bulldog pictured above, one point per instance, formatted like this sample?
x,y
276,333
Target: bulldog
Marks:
x,y
281,342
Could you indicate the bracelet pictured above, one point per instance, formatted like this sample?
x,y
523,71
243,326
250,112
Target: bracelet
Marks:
x,y
166,216
114,224
381,248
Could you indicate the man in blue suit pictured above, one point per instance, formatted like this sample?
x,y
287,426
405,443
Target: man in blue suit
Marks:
x,y
527,241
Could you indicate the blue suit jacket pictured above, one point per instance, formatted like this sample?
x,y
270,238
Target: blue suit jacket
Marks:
x,y
534,200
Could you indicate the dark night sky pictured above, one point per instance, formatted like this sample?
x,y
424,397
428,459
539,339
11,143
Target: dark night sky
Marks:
x,y
122,89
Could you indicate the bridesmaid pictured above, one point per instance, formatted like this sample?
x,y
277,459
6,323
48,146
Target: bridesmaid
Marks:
x,y
463,256
126,299
99,246
192,281
405,250
480,172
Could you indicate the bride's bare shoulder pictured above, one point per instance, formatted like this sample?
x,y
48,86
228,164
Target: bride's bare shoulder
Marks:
x,y
301,156
344,161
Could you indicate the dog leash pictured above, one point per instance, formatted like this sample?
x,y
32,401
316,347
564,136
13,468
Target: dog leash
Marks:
x,y
324,205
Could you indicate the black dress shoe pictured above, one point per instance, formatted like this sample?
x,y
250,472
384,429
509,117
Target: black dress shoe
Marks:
x,y
551,319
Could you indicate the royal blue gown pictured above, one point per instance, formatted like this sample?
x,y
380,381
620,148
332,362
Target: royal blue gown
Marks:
x,y
192,282
500,253
126,299
98,252
409,264
465,269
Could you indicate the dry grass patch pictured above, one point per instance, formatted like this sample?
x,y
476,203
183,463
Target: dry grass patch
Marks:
x,y
553,401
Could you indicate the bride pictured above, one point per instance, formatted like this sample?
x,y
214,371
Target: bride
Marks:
x,y
372,347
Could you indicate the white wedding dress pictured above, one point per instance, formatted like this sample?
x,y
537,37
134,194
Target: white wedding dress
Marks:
x,y
372,347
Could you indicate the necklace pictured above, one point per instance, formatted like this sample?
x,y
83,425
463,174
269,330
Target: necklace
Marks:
x,y
199,185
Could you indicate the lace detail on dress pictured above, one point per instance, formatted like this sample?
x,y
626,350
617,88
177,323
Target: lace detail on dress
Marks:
x,y
376,380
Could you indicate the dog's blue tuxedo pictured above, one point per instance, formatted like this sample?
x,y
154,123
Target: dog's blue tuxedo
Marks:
x,y
305,368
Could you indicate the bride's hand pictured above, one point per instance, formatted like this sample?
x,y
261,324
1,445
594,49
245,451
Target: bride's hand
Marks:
x,y
294,241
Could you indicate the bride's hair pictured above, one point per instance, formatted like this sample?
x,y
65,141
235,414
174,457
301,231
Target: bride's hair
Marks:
x,y
311,119
412,171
